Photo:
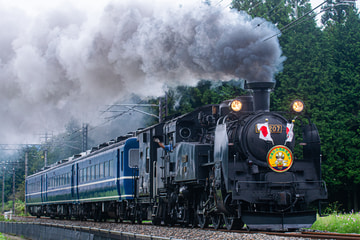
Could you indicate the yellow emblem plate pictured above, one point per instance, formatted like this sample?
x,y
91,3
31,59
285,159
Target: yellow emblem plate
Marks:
x,y
280,158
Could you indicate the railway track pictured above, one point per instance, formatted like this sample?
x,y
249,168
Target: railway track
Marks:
x,y
189,233
318,235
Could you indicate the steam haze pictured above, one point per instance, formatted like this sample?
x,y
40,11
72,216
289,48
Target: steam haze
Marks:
x,y
64,64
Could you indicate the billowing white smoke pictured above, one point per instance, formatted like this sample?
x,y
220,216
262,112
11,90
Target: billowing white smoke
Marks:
x,y
63,64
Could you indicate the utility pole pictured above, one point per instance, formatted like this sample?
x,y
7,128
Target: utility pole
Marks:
x,y
3,190
46,145
163,108
45,157
13,207
160,110
84,137
26,173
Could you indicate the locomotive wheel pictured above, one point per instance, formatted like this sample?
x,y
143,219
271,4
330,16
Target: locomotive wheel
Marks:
x,y
203,221
202,218
216,221
232,223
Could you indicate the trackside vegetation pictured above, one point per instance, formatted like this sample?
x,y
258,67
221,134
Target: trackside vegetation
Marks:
x,y
340,223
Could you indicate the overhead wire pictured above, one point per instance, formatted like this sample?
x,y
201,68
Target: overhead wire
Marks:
x,y
295,21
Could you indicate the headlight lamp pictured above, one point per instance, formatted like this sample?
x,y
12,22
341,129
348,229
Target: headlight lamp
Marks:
x,y
236,105
297,106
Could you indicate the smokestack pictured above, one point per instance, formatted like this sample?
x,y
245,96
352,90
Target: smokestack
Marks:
x,y
261,94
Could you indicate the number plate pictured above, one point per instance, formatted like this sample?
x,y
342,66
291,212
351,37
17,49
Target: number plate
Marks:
x,y
274,128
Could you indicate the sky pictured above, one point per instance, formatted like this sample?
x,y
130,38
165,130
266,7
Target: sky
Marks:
x,y
63,60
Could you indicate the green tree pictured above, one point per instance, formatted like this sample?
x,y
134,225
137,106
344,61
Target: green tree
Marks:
x,y
343,132
322,68
184,99
337,11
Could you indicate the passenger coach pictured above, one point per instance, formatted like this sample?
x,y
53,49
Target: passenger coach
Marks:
x,y
98,184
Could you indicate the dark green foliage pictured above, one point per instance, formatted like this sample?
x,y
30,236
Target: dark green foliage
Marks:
x,y
184,99
343,122
323,69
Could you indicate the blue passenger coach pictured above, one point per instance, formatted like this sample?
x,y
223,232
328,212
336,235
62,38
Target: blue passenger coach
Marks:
x,y
99,184
34,194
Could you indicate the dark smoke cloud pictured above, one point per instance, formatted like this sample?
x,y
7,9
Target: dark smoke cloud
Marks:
x,y
64,64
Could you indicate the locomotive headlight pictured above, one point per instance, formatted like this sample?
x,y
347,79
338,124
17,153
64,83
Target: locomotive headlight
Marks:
x,y
297,106
236,105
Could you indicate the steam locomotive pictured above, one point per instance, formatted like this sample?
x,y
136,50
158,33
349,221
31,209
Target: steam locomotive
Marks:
x,y
224,165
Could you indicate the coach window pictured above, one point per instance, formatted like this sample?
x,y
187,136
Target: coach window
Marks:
x,y
106,167
91,173
122,160
88,176
82,175
94,172
110,168
147,160
134,158
101,169
97,171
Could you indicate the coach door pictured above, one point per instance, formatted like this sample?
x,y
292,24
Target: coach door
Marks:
x,y
119,170
74,182
43,188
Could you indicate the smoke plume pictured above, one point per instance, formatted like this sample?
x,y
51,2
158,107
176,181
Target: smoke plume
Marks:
x,y
65,64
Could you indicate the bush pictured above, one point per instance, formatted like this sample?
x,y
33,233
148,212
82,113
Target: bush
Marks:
x,y
341,223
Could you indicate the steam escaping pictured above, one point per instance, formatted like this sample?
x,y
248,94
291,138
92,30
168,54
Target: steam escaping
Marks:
x,y
66,64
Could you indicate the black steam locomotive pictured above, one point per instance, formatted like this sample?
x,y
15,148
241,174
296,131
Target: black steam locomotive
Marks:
x,y
226,165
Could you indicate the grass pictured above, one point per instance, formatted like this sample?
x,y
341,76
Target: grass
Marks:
x,y
2,237
340,223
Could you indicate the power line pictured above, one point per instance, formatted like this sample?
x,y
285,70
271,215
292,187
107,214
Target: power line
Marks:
x,y
16,146
295,21
303,18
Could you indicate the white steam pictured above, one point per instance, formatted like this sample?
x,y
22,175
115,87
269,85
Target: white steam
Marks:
x,y
65,64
